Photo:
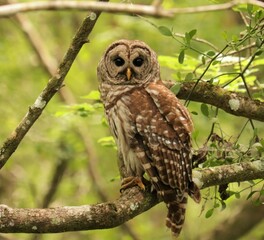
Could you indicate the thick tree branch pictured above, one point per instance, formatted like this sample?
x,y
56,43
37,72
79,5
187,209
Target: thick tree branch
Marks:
x,y
131,203
231,102
156,11
54,84
87,217
224,174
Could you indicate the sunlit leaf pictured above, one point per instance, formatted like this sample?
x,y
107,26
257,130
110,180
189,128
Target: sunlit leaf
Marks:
x,y
216,62
107,141
117,178
93,95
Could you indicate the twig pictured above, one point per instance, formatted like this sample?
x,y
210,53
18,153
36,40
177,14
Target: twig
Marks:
x,y
111,214
150,10
64,156
204,72
198,40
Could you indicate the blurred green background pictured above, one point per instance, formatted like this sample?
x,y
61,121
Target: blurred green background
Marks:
x,y
65,137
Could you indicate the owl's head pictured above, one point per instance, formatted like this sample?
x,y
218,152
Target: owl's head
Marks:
x,y
128,62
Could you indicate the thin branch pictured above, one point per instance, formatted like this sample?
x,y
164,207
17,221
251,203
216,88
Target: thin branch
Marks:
x,y
223,99
147,10
198,40
131,203
64,156
54,84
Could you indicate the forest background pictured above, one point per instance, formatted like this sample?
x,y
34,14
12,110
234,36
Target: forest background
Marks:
x,y
68,157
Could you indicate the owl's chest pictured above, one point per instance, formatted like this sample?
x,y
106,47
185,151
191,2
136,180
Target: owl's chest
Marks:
x,y
121,117
121,121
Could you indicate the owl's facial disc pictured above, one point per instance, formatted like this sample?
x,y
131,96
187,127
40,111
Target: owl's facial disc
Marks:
x,y
130,64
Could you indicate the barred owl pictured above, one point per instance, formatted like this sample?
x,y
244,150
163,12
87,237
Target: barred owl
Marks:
x,y
151,127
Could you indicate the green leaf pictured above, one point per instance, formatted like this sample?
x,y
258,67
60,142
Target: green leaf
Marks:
x,y
237,195
93,95
209,213
259,52
261,192
175,88
216,62
179,75
210,53
258,15
187,38
225,36
216,205
181,57
115,178
107,141
205,109
165,31
192,33
189,77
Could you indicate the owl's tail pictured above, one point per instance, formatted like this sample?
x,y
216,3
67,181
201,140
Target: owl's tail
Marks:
x,y
177,207
176,215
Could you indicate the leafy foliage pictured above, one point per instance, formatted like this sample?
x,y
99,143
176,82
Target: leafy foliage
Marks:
x,y
77,132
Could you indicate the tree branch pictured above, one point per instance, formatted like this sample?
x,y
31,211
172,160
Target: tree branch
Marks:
x,y
54,84
224,174
131,203
231,102
154,10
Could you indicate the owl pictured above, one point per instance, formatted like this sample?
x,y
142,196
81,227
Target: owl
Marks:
x,y
150,125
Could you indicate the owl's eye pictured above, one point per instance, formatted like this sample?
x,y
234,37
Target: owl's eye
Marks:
x,y
119,61
138,61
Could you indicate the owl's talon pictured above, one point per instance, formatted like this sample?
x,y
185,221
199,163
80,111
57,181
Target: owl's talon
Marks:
x,y
131,182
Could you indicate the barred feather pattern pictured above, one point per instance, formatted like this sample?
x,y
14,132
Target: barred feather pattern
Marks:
x,y
151,127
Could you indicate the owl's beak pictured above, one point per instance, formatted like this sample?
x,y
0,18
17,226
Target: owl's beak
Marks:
x,y
128,73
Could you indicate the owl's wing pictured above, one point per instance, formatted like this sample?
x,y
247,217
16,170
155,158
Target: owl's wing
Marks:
x,y
165,129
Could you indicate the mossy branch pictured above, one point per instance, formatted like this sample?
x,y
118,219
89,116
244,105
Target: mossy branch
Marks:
x,y
131,203
231,102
